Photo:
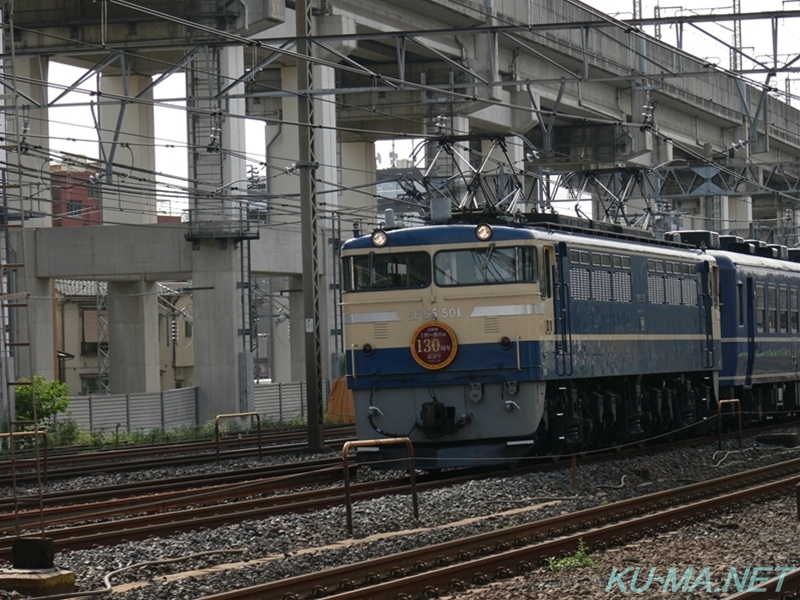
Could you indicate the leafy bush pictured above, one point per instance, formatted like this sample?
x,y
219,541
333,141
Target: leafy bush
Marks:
x,y
65,433
51,399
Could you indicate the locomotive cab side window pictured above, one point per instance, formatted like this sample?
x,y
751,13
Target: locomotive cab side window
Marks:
x,y
794,320
480,266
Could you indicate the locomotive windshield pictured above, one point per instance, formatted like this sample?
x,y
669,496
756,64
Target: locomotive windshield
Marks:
x,y
478,266
400,270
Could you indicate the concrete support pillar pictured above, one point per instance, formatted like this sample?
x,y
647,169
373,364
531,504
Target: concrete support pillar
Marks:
x,y
359,174
123,128
724,214
280,350
217,133
133,337
30,122
328,184
217,319
34,324
284,152
233,125
38,317
740,214
487,51
516,154
233,134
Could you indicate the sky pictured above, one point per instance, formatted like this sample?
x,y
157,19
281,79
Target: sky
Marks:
x,y
71,127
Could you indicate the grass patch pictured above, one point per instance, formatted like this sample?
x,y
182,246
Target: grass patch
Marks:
x,y
578,560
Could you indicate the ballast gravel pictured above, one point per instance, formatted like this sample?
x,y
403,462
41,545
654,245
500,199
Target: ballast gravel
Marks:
x,y
193,565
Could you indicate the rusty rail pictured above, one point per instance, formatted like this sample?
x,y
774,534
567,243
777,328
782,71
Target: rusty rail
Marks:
x,y
506,552
28,434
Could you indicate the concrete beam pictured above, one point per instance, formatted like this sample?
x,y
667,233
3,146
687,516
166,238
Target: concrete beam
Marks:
x,y
160,252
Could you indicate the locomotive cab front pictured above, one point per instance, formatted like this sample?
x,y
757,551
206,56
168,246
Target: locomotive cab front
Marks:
x,y
443,330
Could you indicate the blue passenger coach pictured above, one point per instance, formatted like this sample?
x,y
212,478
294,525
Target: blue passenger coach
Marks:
x,y
760,324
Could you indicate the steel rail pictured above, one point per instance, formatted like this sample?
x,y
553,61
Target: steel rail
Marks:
x,y
484,557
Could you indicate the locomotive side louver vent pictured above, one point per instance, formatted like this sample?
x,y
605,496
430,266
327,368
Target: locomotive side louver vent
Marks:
x,y
491,325
380,331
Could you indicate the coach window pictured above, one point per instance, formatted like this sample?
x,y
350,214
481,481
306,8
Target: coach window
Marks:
x,y
784,299
761,309
772,307
740,302
794,319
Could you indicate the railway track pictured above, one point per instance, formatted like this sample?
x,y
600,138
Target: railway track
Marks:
x,y
432,570
164,514
73,464
144,509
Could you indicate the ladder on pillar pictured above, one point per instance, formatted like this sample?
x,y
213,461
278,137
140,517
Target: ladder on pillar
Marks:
x,y
205,123
245,285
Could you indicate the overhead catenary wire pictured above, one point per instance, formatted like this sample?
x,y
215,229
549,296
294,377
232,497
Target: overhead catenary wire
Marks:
x,y
340,128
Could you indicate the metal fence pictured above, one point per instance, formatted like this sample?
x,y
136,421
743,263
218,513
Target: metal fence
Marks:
x,y
285,402
175,409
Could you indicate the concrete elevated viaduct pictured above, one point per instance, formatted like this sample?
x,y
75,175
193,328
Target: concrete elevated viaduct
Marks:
x,y
591,97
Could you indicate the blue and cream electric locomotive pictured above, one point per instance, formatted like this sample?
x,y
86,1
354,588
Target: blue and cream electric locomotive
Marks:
x,y
487,340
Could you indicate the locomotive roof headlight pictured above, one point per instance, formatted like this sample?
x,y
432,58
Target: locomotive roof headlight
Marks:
x,y
379,238
483,232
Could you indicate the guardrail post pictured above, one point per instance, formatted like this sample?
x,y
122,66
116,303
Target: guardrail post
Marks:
x,y
346,474
231,416
719,419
